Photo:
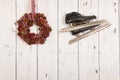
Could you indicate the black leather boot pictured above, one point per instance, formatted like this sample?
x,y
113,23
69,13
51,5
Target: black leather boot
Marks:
x,y
77,18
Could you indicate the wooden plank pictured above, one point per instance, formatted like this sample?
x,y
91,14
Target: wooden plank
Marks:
x,y
68,54
109,41
119,32
26,55
47,53
88,47
7,40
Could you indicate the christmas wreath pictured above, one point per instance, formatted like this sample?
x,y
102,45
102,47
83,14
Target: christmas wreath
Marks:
x,y
27,21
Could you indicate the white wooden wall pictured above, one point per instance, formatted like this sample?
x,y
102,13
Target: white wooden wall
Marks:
x,y
93,58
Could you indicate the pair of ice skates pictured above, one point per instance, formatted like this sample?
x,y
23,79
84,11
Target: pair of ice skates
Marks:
x,y
83,26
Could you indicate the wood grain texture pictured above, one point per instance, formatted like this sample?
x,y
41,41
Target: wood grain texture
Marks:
x,y
88,47
7,40
26,55
68,54
47,53
109,41
94,58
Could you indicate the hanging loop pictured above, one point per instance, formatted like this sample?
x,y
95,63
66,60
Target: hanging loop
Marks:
x,y
33,8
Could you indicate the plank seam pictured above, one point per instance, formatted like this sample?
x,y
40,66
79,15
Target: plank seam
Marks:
x,y
98,44
119,33
57,39
78,46
16,43
37,47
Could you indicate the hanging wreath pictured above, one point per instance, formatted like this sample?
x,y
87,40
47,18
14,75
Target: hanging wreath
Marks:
x,y
27,21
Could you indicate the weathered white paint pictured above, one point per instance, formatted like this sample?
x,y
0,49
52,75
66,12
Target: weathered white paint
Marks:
x,y
68,54
93,58
26,55
109,41
47,53
7,40
88,47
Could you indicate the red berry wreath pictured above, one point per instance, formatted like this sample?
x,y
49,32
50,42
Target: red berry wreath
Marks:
x,y
27,21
